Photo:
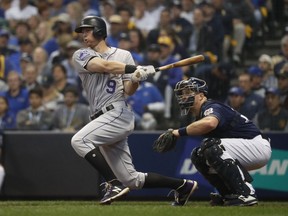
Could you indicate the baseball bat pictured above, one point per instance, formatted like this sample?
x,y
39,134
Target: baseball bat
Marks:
x,y
184,62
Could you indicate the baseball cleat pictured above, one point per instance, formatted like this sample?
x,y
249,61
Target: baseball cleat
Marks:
x,y
240,200
112,193
216,199
183,193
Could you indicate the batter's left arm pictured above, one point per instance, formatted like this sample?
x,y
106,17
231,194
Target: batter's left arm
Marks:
x,y
130,87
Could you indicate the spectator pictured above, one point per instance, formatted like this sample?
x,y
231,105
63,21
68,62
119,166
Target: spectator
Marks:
x,y
218,76
87,9
59,55
202,37
43,33
235,98
138,41
11,53
171,77
182,26
164,25
51,96
17,95
147,99
142,19
273,117
253,102
107,9
59,75
5,67
215,22
25,59
30,77
61,26
256,80
125,43
266,65
282,57
226,17
35,117
7,118
71,115
154,9
21,11
57,7
75,11
72,76
282,78
243,21
152,57
187,10
126,14
116,27
40,59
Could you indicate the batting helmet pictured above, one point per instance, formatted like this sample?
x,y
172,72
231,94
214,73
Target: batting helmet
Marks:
x,y
95,22
185,92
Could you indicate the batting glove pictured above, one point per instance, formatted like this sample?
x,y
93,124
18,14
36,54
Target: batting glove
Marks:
x,y
139,75
149,69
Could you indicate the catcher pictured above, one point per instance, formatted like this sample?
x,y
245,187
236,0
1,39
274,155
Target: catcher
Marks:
x,y
232,144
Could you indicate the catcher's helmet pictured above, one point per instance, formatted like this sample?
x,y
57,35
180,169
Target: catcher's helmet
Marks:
x,y
185,91
95,22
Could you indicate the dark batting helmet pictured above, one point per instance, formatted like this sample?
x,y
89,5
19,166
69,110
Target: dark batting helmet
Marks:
x,y
97,23
185,91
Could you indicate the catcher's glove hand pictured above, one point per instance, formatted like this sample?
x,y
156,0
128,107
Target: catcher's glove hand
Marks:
x,y
165,142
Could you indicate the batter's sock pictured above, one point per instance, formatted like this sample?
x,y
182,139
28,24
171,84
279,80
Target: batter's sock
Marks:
x,y
96,159
154,180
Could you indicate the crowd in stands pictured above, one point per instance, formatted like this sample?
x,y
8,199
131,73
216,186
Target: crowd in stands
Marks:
x,y
40,89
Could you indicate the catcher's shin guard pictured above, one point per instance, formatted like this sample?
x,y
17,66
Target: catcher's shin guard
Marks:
x,y
227,170
199,162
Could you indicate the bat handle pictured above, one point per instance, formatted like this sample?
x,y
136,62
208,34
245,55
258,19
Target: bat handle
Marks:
x,y
157,69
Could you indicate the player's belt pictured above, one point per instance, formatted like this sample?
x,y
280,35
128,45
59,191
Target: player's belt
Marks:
x,y
108,108
100,112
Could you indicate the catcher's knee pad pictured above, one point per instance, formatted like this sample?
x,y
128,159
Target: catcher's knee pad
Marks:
x,y
212,151
198,160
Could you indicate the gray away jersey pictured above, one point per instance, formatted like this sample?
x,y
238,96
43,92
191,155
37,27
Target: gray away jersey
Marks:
x,y
102,88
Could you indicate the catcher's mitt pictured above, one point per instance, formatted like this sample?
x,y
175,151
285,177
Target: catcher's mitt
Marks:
x,y
165,142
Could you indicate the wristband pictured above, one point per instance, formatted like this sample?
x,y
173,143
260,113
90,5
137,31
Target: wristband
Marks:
x,y
130,69
183,131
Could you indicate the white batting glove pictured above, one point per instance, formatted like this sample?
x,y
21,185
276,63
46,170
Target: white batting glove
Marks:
x,y
139,75
149,69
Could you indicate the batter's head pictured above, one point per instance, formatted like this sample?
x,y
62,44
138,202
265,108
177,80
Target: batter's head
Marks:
x,y
95,22
186,90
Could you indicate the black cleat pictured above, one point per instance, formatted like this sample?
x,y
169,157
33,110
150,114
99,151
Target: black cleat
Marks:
x,y
183,193
112,193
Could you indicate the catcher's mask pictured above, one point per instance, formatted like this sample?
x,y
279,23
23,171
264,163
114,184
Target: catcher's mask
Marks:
x,y
186,90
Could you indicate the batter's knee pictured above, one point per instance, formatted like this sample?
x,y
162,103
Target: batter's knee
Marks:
x,y
77,143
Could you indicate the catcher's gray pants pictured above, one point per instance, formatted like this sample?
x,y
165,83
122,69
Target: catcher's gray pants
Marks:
x,y
110,132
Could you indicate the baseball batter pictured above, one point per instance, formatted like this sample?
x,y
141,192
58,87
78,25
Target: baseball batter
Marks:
x,y
232,146
108,74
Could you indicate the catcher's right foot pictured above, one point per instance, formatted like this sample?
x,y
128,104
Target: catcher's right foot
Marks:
x,y
183,193
240,200
112,193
